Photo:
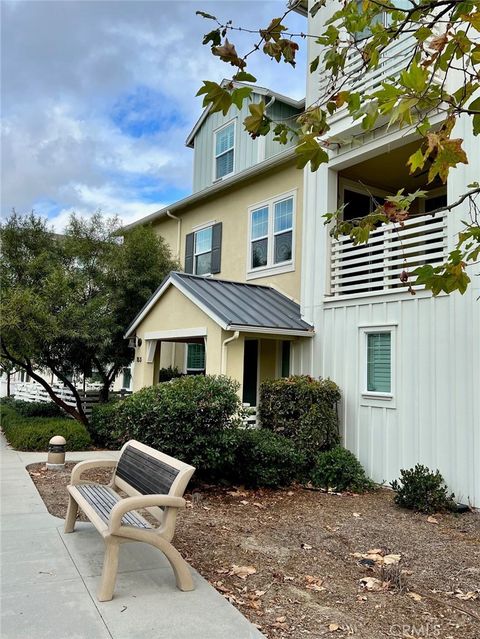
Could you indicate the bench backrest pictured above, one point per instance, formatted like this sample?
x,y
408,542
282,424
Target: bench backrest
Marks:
x,y
142,470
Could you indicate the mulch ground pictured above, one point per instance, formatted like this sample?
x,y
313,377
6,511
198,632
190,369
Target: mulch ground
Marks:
x,y
301,563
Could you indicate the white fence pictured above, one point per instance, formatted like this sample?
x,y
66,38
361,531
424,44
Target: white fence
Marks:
x,y
33,392
377,266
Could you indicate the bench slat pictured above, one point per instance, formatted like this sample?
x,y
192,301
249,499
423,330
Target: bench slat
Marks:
x,y
103,499
145,473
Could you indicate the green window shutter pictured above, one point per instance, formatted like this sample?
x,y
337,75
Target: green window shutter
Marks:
x,y
379,362
216,247
196,357
189,248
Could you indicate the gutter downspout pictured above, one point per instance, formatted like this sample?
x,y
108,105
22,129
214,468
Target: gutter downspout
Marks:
x,y
234,337
179,226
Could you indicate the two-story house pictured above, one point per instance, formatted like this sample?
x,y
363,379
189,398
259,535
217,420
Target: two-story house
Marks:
x,y
235,308
408,365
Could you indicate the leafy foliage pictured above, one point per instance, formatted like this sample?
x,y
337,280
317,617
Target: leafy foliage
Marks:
x,y
441,76
34,433
185,418
340,470
66,298
263,458
302,409
423,490
166,374
36,409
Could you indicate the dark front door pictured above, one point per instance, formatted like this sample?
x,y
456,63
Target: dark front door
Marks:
x,y
250,368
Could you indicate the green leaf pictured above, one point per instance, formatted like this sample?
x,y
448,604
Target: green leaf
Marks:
x,y
416,161
215,96
239,95
314,64
309,150
243,76
208,16
256,123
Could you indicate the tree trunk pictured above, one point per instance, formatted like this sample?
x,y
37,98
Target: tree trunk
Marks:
x,y
8,384
104,393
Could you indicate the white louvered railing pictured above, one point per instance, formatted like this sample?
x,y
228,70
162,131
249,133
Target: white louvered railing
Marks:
x,y
377,266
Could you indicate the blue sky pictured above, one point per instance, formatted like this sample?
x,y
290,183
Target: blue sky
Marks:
x,y
98,98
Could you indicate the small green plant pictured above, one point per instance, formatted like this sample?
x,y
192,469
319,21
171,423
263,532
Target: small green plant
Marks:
x,y
263,458
338,469
166,374
37,409
304,410
422,490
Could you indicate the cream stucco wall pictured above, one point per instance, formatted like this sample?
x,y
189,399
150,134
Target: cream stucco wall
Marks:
x,y
231,208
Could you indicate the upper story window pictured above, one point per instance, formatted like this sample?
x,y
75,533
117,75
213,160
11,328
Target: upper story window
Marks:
x,y
203,250
271,236
224,151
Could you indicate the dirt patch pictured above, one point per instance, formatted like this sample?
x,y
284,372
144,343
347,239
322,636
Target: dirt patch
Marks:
x,y
297,562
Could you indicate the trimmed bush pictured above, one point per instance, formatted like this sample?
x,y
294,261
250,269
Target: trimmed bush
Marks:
x,y
304,410
186,418
422,490
37,409
338,469
263,458
34,433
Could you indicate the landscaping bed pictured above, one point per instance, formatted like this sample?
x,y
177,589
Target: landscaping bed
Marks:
x,y
293,560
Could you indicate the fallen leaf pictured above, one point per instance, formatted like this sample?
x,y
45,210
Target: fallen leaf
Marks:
x,y
242,571
372,584
415,596
465,596
280,619
287,578
391,559
314,583
306,547
290,493
432,520
258,505
333,627
206,508
375,551
260,593
356,515
244,502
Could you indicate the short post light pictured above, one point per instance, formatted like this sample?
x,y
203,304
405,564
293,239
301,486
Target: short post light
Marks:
x,y
56,453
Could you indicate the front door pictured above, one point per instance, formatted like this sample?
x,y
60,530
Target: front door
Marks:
x,y
250,371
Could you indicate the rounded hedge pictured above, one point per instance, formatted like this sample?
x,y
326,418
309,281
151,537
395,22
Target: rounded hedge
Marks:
x,y
340,470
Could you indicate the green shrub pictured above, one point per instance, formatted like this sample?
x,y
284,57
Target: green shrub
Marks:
x,y
340,470
263,458
304,410
166,374
423,490
37,409
105,429
184,418
34,433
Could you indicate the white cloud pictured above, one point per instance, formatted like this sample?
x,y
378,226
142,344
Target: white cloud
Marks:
x,y
67,65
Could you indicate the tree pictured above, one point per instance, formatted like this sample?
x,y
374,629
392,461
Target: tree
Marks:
x,y
441,76
67,299
8,369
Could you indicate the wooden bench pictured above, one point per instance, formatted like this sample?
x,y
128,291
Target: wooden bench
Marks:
x,y
151,480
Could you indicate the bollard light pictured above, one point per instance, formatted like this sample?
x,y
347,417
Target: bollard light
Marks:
x,y
56,453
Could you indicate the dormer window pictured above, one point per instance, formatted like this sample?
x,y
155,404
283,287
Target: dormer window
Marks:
x,y
224,150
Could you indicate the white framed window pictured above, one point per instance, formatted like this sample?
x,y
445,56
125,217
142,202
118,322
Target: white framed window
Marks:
x,y
224,151
202,260
377,359
271,236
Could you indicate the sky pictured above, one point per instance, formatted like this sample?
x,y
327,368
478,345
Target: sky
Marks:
x,y
99,97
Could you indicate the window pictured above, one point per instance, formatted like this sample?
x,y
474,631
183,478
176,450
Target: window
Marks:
x,y
224,150
203,250
127,378
271,234
379,362
195,359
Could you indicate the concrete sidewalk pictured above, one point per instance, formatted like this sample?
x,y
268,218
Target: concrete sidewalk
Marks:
x,y
49,580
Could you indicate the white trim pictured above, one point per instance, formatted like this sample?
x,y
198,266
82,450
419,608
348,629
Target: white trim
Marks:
x,y
180,333
375,398
215,156
195,254
270,331
270,267
149,305
267,271
202,226
151,347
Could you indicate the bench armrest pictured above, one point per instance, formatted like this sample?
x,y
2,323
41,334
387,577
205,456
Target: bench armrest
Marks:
x,y
81,467
142,501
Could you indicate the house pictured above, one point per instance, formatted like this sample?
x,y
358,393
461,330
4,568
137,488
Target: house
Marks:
x,y
235,308
408,365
